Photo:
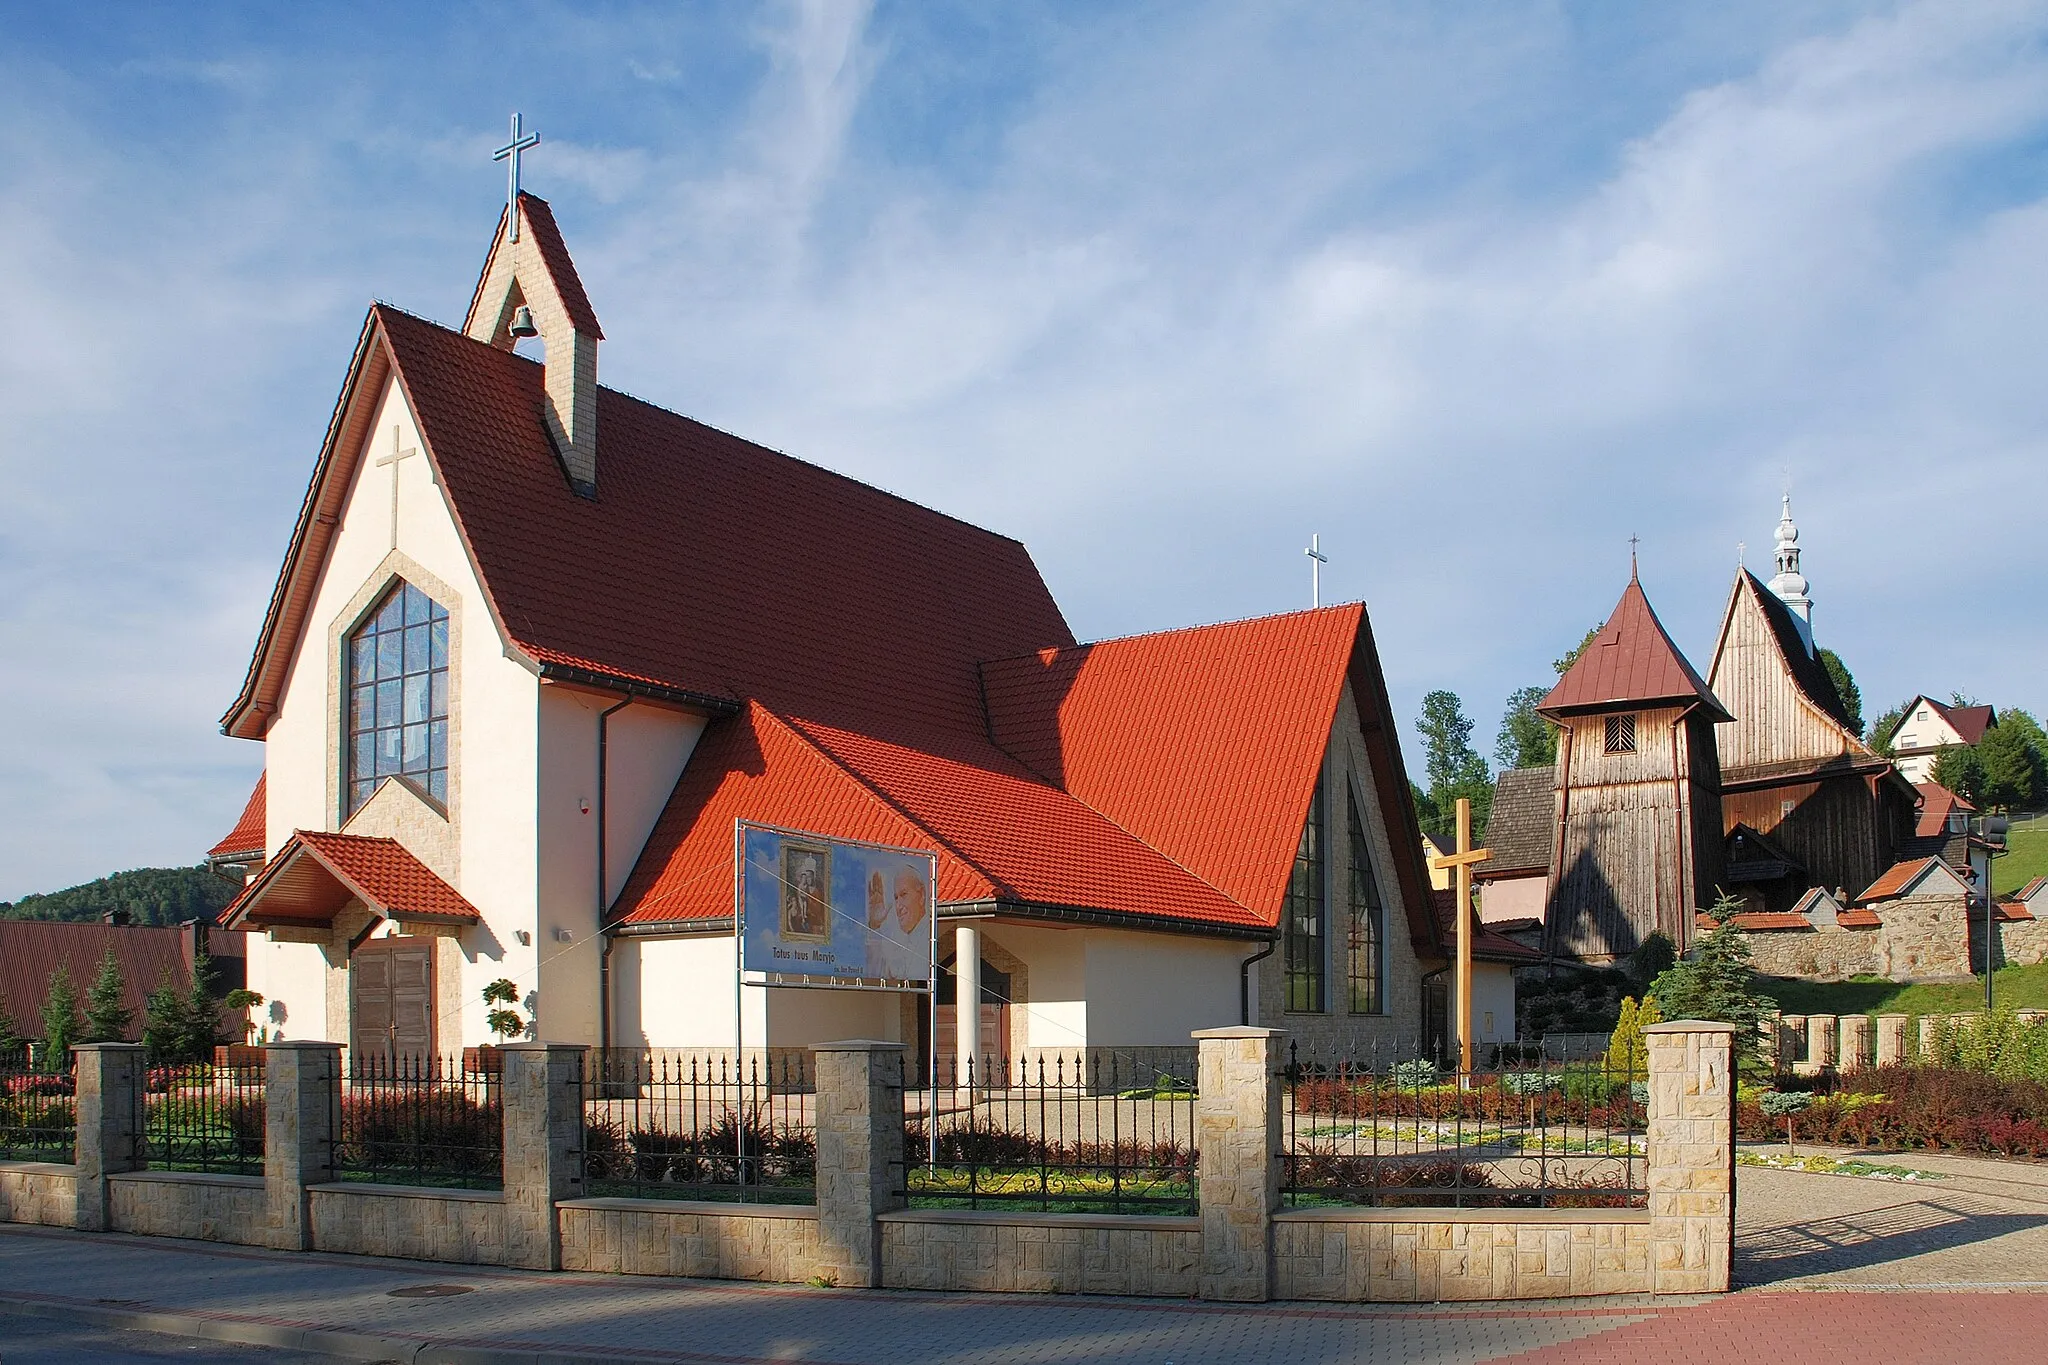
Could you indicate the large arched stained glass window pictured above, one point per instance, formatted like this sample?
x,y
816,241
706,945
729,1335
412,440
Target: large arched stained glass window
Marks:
x,y
398,697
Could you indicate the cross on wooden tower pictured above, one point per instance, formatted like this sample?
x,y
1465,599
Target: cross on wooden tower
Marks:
x,y
393,459
510,152
1463,860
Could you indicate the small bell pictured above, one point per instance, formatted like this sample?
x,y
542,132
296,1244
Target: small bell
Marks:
x,y
522,323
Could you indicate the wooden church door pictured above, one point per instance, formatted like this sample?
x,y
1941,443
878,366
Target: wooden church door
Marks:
x,y
391,985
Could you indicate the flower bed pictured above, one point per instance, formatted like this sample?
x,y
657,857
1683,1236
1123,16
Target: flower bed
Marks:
x,y
1930,1108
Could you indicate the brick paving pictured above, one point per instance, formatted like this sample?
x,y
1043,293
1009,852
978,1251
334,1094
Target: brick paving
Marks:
x,y
1984,1228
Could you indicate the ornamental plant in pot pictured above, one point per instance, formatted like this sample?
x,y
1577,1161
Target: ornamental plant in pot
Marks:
x,y
505,1020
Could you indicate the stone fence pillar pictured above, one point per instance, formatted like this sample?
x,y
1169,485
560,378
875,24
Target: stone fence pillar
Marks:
x,y
542,1094
109,1109
860,1154
1855,1035
1791,1041
1820,1041
1691,1156
1891,1040
302,1120
1237,1167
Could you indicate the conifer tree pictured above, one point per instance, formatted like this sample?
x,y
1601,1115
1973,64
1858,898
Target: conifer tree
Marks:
x,y
200,1022
106,1015
60,1020
1715,981
10,1037
163,1021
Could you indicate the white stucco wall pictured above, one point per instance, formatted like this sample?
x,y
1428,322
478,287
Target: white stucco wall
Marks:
x,y
647,748
1153,990
491,817
678,992
1493,1003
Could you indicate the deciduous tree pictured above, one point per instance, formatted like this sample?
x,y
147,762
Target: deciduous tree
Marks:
x,y
1526,740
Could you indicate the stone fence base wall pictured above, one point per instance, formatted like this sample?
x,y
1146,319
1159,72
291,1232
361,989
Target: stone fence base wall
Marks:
x,y
464,1226
1427,1255
1242,1247
766,1242
205,1208
39,1192
1040,1253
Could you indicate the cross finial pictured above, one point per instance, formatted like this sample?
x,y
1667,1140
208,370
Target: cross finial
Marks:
x,y
1315,569
1633,542
1741,549
510,152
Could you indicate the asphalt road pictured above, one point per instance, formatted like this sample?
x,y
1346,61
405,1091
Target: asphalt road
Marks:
x,y
28,1340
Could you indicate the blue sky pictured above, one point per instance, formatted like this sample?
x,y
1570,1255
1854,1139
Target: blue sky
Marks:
x,y
1474,292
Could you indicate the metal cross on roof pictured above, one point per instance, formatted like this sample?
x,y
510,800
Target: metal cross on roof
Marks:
x,y
1315,569
510,152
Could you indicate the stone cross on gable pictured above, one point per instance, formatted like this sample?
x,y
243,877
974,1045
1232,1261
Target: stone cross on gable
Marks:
x,y
393,460
510,152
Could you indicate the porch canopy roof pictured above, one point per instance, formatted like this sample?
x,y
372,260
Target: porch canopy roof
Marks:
x,y
315,875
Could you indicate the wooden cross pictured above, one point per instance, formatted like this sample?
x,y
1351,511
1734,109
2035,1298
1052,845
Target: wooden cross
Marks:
x,y
392,459
510,152
1463,860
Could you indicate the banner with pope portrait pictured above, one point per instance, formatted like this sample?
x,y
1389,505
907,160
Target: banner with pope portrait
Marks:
x,y
827,911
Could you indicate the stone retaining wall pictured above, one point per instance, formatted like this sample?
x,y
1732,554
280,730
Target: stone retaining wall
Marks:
x,y
775,1243
1426,1255
1041,1253
464,1226
39,1192
208,1208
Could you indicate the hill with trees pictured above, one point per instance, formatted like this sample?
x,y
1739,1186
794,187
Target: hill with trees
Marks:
x,y
151,895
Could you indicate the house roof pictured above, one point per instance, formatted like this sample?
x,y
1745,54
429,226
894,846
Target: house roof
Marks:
x,y
1758,921
665,578
1488,943
1752,856
1969,722
315,874
30,950
1632,661
1161,779
1936,803
1902,878
1521,827
245,840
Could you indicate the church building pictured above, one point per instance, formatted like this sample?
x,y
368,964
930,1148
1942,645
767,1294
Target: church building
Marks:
x,y
526,666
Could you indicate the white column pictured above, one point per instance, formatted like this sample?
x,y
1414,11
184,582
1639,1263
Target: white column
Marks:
x,y
966,997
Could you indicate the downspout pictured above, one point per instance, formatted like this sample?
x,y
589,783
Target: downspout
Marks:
x,y
1244,981
604,954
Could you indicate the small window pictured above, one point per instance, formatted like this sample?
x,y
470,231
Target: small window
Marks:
x,y
1922,714
1621,734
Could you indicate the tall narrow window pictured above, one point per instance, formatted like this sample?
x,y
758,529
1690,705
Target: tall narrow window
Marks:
x,y
398,697
1368,923
1306,916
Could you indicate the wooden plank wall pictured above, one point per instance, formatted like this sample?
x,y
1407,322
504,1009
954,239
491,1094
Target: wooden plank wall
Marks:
x,y
1774,722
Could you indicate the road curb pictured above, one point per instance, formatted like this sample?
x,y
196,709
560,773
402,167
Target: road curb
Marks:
x,y
342,1344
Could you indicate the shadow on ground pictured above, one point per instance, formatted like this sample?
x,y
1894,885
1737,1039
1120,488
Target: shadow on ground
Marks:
x,y
1870,1237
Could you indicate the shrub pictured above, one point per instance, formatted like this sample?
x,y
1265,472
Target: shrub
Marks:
x,y
1929,1107
443,1131
1628,1052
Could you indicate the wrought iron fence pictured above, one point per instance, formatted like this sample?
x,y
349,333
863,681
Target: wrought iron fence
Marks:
x,y
200,1117
1360,1128
1081,1132
420,1121
38,1110
699,1125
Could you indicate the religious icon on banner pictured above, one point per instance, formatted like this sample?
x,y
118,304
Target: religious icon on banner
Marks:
x,y
806,893
910,900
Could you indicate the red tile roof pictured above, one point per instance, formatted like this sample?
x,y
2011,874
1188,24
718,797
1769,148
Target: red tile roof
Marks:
x,y
1204,743
2012,912
1002,835
1969,721
246,838
1632,660
1936,801
1898,877
315,874
1861,918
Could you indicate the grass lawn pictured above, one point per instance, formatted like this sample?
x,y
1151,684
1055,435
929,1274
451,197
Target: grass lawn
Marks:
x,y
2015,987
2027,860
